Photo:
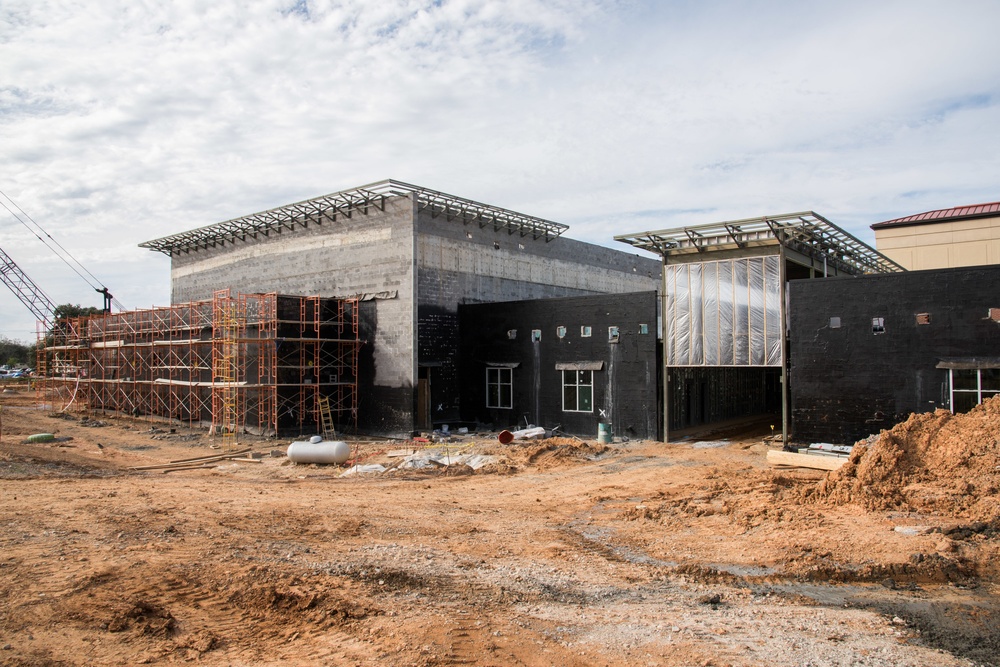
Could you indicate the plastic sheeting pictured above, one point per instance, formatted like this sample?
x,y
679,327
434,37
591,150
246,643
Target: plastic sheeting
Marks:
x,y
724,313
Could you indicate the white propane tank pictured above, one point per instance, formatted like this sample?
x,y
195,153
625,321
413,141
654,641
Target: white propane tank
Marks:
x,y
326,451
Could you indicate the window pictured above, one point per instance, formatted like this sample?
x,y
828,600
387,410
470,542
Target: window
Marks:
x,y
512,333
499,388
643,329
585,332
561,332
578,391
878,325
613,334
970,387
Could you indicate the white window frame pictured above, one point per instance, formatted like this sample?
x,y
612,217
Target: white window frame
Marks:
x,y
499,377
572,378
979,392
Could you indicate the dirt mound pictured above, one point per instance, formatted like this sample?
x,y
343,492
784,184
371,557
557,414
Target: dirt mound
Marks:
x,y
933,462
541,454
553,452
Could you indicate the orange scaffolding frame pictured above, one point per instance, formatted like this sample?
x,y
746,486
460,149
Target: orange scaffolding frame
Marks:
x,y
255,363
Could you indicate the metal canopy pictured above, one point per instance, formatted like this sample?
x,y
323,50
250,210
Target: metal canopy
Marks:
x,y
807,233
344,204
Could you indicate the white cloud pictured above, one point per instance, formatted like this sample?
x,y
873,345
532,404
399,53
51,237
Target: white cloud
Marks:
x,y
122,120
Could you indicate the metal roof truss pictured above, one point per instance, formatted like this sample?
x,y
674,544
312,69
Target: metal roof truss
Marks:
x,y
807,233
344,204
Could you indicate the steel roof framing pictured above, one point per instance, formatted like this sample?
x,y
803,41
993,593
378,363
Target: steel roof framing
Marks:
x,y
807,233
344,204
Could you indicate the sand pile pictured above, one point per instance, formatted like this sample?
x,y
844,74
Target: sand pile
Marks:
x,y
933,462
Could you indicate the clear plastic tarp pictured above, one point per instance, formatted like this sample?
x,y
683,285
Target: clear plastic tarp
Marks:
x,y
724,313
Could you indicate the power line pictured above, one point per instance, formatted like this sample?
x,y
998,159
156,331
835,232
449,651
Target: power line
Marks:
x,y
62,253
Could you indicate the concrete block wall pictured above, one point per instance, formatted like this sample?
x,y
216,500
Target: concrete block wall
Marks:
x,y
431,265
625,389
463,263
363,254
848,381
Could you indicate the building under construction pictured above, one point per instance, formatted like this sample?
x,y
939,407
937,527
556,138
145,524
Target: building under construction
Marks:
x,y
260,363
411,256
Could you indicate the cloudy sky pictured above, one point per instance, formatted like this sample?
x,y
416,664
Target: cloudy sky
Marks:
x,y
122,121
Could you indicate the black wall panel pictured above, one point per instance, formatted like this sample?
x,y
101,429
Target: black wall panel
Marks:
x,y
852,375
624,389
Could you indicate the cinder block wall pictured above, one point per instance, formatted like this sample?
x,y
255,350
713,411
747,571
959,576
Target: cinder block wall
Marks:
x,y
363,254
463,263
848,382
625,390
432,265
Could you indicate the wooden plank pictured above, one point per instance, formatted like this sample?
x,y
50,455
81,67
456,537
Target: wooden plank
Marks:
x,y
212,456
400,452
188,462
783,458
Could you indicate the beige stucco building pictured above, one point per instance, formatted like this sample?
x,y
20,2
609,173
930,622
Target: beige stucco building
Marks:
x,y
946,238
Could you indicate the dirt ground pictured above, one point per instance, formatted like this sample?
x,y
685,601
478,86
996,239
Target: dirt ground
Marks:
x,y
561,552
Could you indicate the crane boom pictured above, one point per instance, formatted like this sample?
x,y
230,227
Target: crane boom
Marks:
x,y
25,289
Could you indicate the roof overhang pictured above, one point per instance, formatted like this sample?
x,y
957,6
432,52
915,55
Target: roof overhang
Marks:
x,y
346,203
954,214
968,363
806,233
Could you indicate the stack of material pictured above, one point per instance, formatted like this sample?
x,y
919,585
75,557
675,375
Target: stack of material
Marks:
x,y
196,462
820,456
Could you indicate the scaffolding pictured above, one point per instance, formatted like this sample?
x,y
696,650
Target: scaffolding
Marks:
x,y
250,363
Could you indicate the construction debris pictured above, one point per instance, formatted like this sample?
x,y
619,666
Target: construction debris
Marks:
x,y
192,463
534,433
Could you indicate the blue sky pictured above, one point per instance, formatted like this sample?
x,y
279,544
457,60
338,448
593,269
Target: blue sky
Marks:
x,y
122,121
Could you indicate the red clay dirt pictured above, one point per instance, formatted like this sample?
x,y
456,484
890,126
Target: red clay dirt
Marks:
x,y
561,552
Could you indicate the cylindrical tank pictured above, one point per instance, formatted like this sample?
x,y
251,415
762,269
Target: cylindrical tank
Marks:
x,y
604,433
326,451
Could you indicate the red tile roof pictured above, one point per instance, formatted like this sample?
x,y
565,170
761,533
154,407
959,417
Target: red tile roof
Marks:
x,y
943,215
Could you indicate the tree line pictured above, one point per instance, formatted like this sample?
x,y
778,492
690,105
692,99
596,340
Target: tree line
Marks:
x,y
16,353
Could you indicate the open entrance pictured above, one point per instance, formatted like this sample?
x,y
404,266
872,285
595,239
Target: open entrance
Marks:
x,y
424,398
706,395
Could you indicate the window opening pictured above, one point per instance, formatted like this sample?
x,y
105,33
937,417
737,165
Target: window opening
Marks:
x,y
561,332
643,329
834,322
499,388
512,333
970,387
613,334
585,332
578,391
536,335
923,318
878,325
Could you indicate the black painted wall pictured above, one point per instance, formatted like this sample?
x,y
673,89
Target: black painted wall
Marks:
x,y
849,382
625,389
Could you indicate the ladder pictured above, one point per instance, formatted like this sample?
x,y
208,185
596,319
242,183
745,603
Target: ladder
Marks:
x,y
329,432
